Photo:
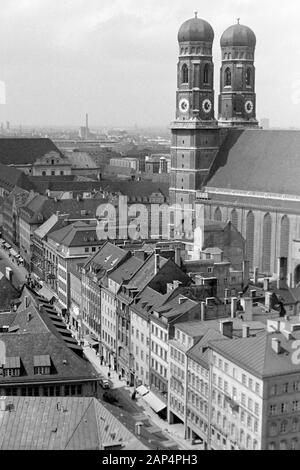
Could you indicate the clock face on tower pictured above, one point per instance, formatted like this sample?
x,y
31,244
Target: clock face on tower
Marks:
x,y
184,105
249,107
206,106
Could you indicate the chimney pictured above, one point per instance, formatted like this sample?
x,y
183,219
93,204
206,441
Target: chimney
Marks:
x,y
246,275
170,287
248,308
268,301
177,256
233,307
203,311
266,284
246,331
255,279
181,299
276,345
176,284
226,328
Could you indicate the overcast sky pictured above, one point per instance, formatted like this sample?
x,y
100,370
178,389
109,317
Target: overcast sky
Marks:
x,y
116,59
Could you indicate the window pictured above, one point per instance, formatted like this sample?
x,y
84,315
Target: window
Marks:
x,y
283,427
227,77
295,405
283,407
206,74
185,74
248,77
272,410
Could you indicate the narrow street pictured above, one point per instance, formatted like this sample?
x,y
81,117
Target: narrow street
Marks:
x,y
19,272
156,433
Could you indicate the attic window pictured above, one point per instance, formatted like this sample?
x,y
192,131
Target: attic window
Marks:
x,y
12,367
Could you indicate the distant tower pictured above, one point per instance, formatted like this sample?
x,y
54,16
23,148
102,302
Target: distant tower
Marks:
x,y
237,100
194,132
87,122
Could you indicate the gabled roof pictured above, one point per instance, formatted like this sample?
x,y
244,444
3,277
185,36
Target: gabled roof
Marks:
x,y
62,423
23,151
258,160
108,257
38,331
126,270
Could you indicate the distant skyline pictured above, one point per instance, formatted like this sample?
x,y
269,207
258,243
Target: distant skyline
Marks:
x,y
117,59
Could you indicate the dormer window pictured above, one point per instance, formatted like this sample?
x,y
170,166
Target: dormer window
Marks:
x,y
42,365
12,367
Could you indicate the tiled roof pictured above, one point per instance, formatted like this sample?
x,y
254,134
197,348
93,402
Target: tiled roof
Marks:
x,y
258,160
199,352
23,151
38,331
61,423
11,177
126,270
256,355
108,257
76,234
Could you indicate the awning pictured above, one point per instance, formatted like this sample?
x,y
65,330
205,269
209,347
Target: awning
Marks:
x,y
92,341
142,390
156,404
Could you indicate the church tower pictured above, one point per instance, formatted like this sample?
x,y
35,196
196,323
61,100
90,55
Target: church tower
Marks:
x,y
237,100
195,130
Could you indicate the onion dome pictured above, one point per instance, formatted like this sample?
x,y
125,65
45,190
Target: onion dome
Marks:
x,y
238,35
196,30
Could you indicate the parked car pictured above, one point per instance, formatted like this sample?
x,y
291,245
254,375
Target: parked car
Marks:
x,y
104,383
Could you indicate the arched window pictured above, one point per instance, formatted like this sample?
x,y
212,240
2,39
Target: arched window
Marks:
x,y
225,56
272,446
205,73
43,173
255,445
229,56
248,77
250,238
266,248
185,74
234,218
228,77
284,237
249,442
218,215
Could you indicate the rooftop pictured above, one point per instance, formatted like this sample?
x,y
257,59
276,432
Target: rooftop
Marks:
x,y
61,423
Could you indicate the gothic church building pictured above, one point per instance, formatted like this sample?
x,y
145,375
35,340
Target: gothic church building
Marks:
x,y
238,171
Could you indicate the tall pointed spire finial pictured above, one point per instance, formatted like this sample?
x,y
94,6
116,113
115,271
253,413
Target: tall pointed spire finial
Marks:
x,y
238,20
196,14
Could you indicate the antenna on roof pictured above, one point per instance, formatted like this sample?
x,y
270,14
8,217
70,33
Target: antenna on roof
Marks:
x,y
196,14
238,20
